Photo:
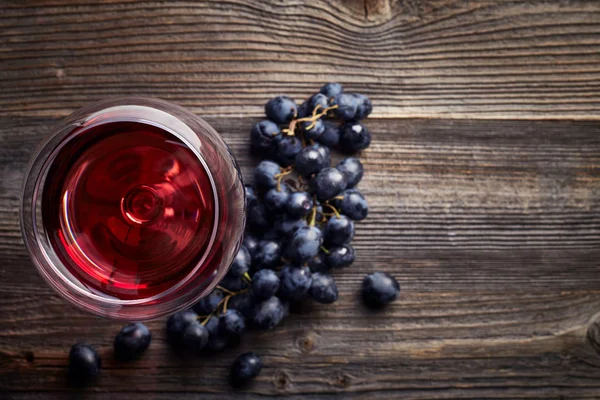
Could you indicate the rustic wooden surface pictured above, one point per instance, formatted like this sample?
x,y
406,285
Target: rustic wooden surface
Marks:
x,y
483,180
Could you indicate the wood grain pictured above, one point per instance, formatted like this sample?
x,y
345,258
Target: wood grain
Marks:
x,y
492,228
415,58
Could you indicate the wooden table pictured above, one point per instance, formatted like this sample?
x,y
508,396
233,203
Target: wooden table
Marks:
x,y
483,180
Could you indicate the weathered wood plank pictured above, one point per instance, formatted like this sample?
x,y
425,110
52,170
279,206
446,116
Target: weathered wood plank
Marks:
x,y
426,58
492,227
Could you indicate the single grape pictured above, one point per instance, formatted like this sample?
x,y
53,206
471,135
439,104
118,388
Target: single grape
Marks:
x,y
265,284
177,323
295,282
325,153
299,204
338,231
364,106
251,244
84,363
318,100
323,288
352,169
262,137
251,199
241,263
379,289
286,149
232,323
217,341
331,134
195,337
340,257
268,254
305,244
265,174
312,130
259,219
311,160
281,109
245,368
276,199
347,106
354,137
331,89
132,341
328,183
207,304
354,205
269,313
304,109
286,225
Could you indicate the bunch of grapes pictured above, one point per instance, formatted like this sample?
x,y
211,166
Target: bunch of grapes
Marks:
x,y
301,213
300,220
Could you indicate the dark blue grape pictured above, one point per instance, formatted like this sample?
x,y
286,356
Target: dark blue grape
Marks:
x,y
251,199
281,109
299,204
304,109
312,130
352,106
132,341
195,337
177,323
340,257
352,169
207,304
305,244
276,199
217,341
262,137
323,288
286,225
245,368
338,231
318,100
354,205
324,152
84,363
259,219
286,149
379,289
265,284
328,183
244,303
364,106
331,89
295,282
318,264
232,323
241,263
268,254
251,244
354,137
331,134
347,105
269,313
265,174
311,160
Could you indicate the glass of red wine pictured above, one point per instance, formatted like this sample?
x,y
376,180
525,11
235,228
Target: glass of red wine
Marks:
x,y
133,208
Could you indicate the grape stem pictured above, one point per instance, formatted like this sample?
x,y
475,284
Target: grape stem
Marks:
x,y
291,129
335,211
313,216
325,250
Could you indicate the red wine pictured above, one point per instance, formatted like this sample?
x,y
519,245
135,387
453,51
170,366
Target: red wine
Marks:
x,y
129,209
